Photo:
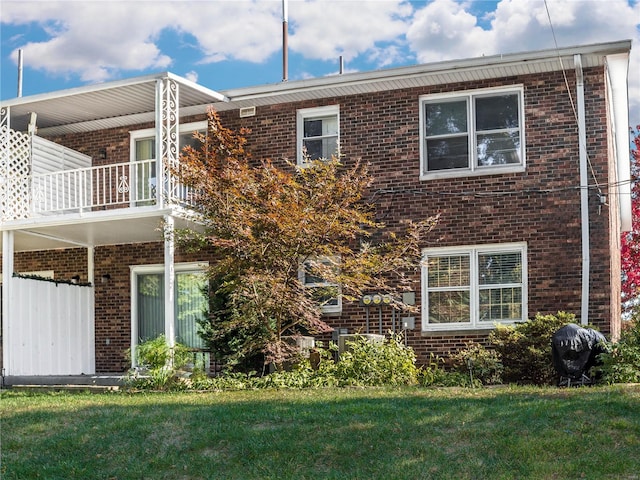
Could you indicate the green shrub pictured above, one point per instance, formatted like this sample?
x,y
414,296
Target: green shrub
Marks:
x,y
479,363
525,348
160,365
622,363
373,364
434,375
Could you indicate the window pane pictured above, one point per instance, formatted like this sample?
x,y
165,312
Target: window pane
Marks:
x,y
450,271
500,304
191,306
500,268
444,154
498,148
321,148
188,139
145,149
150,306
497,112
446,118
449,307
319,126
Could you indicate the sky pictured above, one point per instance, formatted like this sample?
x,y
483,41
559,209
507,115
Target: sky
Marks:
x,y
226,44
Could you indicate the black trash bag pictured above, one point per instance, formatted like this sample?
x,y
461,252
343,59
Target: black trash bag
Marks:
x,y
575,350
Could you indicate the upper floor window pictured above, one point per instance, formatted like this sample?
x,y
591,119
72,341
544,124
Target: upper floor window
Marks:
x,y
143,151
327,294
474,133
473,287
318,133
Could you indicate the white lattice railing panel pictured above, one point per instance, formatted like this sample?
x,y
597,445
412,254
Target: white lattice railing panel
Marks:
x,y
15,190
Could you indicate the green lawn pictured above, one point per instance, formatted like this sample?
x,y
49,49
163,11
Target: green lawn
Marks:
x,y
405,433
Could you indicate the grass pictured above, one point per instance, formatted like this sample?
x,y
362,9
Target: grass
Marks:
x,y
378,433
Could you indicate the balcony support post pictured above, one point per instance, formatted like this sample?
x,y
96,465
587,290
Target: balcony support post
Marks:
x,y
167,135
169,281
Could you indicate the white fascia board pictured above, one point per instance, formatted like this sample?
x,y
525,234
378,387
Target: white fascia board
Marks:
x,y
478,63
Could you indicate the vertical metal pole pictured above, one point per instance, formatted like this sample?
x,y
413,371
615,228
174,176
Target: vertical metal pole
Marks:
x,y
20,68
285,40
367,316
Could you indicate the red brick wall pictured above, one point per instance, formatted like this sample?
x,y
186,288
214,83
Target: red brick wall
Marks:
x,y
383,129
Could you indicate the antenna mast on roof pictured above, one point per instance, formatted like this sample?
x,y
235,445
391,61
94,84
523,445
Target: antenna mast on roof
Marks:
x,y
285,38
19,72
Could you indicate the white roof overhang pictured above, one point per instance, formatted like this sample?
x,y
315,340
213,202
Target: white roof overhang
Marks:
x,y
109,227
106,105
439,73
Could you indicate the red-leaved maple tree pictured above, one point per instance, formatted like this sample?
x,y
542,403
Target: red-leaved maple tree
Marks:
x,y
274,230
631,240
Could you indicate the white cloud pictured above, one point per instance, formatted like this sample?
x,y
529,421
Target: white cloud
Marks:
x,y
191,76
325,30
100,39
443,30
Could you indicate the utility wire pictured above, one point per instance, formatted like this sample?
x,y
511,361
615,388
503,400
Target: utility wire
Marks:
x,y
573,106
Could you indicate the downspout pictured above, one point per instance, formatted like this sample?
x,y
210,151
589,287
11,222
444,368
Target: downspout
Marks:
x,y
584,190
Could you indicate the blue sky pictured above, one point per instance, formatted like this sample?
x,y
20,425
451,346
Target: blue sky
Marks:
x,y
225,44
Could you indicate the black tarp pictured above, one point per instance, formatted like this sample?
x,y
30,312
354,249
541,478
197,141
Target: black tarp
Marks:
x,y
575,350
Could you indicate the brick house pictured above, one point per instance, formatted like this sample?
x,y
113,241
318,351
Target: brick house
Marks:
x,y
524,156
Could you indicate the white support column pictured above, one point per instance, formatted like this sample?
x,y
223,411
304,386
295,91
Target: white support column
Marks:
x,y
91,274
169,281
167,135
7,277
584,190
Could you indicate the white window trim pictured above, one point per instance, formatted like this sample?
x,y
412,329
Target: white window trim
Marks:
x,y
325,308
136,270
304,113
474,170
473,251
135,135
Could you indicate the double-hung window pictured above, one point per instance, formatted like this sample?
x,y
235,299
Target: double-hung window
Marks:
x,y
474,287
327,294
318,133
474,133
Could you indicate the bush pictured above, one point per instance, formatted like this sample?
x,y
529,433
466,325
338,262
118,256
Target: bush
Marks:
x,y
434,375
159,365
622,363
525,349
481,363
373,364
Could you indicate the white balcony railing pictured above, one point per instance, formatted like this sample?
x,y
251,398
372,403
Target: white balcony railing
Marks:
x,y
130,184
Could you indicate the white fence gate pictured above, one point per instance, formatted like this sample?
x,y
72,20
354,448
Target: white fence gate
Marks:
x,y
50,329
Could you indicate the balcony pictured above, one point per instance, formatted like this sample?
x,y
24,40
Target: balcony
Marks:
x,y
47,179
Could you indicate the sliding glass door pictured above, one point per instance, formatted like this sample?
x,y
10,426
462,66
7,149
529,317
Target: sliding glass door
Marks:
x,y
190,306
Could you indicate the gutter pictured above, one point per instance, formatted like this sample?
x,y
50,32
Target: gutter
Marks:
x,y
584,190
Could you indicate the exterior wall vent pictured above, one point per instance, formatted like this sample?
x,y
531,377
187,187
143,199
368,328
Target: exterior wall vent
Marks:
x,y
247,112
